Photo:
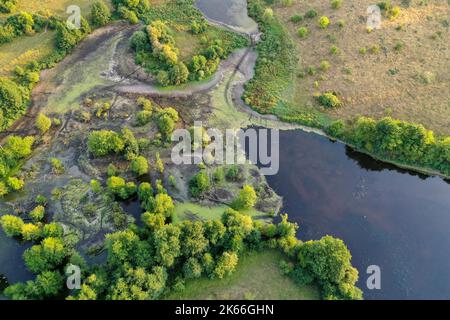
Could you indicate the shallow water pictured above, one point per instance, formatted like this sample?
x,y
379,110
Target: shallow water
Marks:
x,y
396,219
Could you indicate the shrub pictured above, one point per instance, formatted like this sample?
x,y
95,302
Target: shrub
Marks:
x,y
15,184
159,164
57,166
324,65
13,100
178,74
323,22
12,225
311,14
100,13
37,214
336,4
118,187
139,166
334,49
302,32
296,18
329,100
31,232
247,198
43,123
199,184
128,15
104,142
268,14
143,117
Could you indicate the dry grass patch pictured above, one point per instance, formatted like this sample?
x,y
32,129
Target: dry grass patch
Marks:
x,y
401,70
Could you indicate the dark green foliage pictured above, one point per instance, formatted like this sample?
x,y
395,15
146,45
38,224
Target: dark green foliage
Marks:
x,y
396,140
47,285
67,39
329,262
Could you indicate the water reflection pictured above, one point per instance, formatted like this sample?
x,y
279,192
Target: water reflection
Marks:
x,y
394,218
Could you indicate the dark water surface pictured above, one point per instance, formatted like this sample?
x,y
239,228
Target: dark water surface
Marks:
x,y
392,218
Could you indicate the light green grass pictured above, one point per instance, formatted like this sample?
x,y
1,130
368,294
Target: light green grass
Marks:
x,y
193,211
257,276
24,49
56,7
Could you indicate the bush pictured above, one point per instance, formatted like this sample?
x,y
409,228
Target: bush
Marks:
x,y
13,100
329,100
296,19
37,214
199,184
15,184
336,4
43,123
100,13
12,225
143,117
247,198
128,15
302,32
324,65
31,232
139,166
103,142
323,22
118,187
57,166
311,14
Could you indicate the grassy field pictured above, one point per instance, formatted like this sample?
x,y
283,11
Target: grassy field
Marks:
x,y
401,70
257,276
24,49
27,48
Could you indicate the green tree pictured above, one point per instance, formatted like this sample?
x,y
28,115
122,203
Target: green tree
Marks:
x,y
329,261
226,264
167,245
100,13
47,256
163,204
43,123
12,225
193,239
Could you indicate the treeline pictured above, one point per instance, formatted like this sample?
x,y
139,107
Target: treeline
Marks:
x,y
396,140
148,262
24,23
276,62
